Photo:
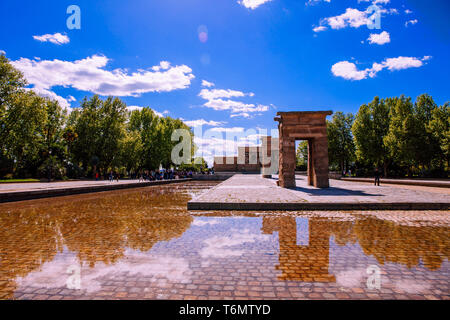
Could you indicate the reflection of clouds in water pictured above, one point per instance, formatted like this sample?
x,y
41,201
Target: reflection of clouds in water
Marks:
x,y
54,274
411,286
201,222
351,278
354,278
219,246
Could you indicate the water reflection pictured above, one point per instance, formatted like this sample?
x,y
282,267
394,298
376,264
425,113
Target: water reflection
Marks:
x,y
97,228
116,232
385,240
301,262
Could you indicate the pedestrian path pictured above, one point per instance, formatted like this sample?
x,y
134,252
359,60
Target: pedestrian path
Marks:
x,y
252,192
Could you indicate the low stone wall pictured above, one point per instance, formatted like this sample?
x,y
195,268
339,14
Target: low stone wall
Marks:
x,y
424,183
259,206
218,176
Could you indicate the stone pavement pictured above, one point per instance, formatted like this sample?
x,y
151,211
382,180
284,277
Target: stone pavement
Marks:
x,y
252,192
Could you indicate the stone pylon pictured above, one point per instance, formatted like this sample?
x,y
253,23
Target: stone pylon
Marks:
x,y
269,156
310,126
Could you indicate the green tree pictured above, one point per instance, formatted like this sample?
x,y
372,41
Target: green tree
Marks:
x,y
112,117
370,127
403,133
144,122
302,155
439,127
52,144
131,151
427,147
23,119
98,126
11,84
341,147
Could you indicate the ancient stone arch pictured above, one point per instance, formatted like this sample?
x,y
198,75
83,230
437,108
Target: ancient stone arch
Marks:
x,y
310,126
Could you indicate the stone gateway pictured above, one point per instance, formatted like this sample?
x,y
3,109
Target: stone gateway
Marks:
x,y
310,126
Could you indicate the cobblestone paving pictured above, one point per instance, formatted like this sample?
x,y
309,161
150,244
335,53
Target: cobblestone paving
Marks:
x,y
144,244
254,189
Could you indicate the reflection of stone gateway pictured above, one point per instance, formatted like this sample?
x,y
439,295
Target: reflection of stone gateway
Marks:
x,y
298,262
310,126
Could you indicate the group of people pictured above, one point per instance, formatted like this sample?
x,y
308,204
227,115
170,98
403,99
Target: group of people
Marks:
x,y
170,174
152,175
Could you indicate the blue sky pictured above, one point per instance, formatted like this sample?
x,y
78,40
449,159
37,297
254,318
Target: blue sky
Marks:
x,y
231,63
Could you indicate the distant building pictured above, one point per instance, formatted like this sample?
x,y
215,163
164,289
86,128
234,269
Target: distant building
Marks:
x,y
249,159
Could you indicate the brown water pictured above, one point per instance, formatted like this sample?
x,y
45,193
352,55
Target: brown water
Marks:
x,y
143,243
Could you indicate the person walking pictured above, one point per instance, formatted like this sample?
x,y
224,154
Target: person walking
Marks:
x,y
377,177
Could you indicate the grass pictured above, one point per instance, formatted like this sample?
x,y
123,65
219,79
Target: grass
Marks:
x,y
18,180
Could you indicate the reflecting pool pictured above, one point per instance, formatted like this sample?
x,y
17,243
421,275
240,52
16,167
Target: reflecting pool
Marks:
x,y
144,244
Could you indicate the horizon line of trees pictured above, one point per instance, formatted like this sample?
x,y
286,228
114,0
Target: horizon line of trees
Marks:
x,y
399,137
40,139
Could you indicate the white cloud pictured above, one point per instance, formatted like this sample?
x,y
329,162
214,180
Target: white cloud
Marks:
x,y
202,122
3,52
89,75
235,106
230,245
207,84
201,222
380,39
402,63
226,130
133,108
252,4
159,114
320,29
208,94
407,11
349,71
314,2
353,18
241,114
53,274
56,38
163,65
375,1
393,11
411,22
63,102
219,99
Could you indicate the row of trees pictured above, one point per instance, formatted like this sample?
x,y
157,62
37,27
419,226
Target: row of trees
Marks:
x,y
39,139
395,134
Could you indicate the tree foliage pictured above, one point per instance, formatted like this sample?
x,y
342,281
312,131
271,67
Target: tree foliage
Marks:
x,y
370,127
341,146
